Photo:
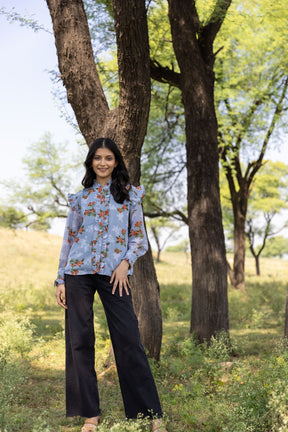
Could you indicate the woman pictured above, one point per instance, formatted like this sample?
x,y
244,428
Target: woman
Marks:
x,y
104,236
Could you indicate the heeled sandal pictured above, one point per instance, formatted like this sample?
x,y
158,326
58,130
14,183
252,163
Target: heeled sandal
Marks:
x,y
158,426
91,425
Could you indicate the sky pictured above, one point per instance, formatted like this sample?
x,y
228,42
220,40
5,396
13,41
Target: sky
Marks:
x,y
28,108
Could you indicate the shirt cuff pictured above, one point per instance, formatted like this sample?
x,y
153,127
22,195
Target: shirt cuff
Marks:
x,y
59,281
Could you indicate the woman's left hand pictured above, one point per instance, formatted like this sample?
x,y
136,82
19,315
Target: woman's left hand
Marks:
x,y
119,276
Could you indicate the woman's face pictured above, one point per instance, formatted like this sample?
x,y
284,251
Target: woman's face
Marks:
x,y
103,164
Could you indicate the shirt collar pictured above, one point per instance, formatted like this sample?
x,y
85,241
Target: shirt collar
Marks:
x,y
106,186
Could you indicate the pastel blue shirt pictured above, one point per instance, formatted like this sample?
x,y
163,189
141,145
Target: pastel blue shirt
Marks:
x,y
100,232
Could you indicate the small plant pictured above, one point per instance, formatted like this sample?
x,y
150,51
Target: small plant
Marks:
x,y
41,425
16,333
139,425
219,347
12,375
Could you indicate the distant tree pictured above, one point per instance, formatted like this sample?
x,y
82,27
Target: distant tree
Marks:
x,y
10,217
251,96
276,247
162,230
268,198
183,246
49,174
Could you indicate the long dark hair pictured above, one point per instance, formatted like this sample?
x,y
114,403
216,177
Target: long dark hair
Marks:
x,y
120,176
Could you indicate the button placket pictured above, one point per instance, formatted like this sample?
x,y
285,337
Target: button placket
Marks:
x,y
102,216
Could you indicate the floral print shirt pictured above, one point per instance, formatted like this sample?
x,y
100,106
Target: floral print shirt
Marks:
x,y
100,232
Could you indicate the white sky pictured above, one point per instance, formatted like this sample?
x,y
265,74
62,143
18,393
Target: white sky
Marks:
x,y
27,108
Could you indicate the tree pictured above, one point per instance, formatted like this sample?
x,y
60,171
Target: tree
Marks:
x,y
210,305
193,45
126,123
268,199
276,247
251,102
42,194
12,218
157,226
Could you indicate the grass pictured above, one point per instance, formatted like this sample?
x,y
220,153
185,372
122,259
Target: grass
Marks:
x,y
202,388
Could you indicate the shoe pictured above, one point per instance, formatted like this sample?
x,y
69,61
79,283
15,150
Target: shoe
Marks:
x,y
91,424
158,426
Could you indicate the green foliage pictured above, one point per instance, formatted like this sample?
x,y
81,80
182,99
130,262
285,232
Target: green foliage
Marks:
x,y
141,425
49,170
268,199
219,347
12,375
24,21
245,84
183,246
276,247
16,335
10,217
269,192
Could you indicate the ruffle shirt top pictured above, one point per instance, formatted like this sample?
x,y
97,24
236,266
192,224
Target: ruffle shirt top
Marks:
x,y
100,232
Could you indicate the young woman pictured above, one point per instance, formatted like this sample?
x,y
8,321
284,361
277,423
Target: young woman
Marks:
x,y
104,236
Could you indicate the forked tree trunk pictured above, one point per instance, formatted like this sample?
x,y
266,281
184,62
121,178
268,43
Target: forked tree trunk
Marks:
x,y
126,124
209,313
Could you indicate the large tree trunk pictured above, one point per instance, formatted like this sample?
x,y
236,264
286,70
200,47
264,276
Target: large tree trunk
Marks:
x,y
126,124
150,328
209,313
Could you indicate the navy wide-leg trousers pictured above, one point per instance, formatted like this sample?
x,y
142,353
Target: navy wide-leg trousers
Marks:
x,y
137,385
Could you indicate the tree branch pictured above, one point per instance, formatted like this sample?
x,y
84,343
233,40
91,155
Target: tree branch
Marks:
x,y
208,32
77,65
164,74
278,109
176,215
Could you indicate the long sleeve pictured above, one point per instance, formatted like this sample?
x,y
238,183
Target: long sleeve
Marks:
x,y
137,241
73,224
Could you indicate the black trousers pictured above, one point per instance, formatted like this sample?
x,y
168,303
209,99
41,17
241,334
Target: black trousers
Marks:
x,y
137,385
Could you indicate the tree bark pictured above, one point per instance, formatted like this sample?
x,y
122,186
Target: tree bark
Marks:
x,y
257,261
126,124
238,279
145,309
194,51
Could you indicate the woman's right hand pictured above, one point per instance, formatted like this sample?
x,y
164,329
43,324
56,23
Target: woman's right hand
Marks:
x,y
60,295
